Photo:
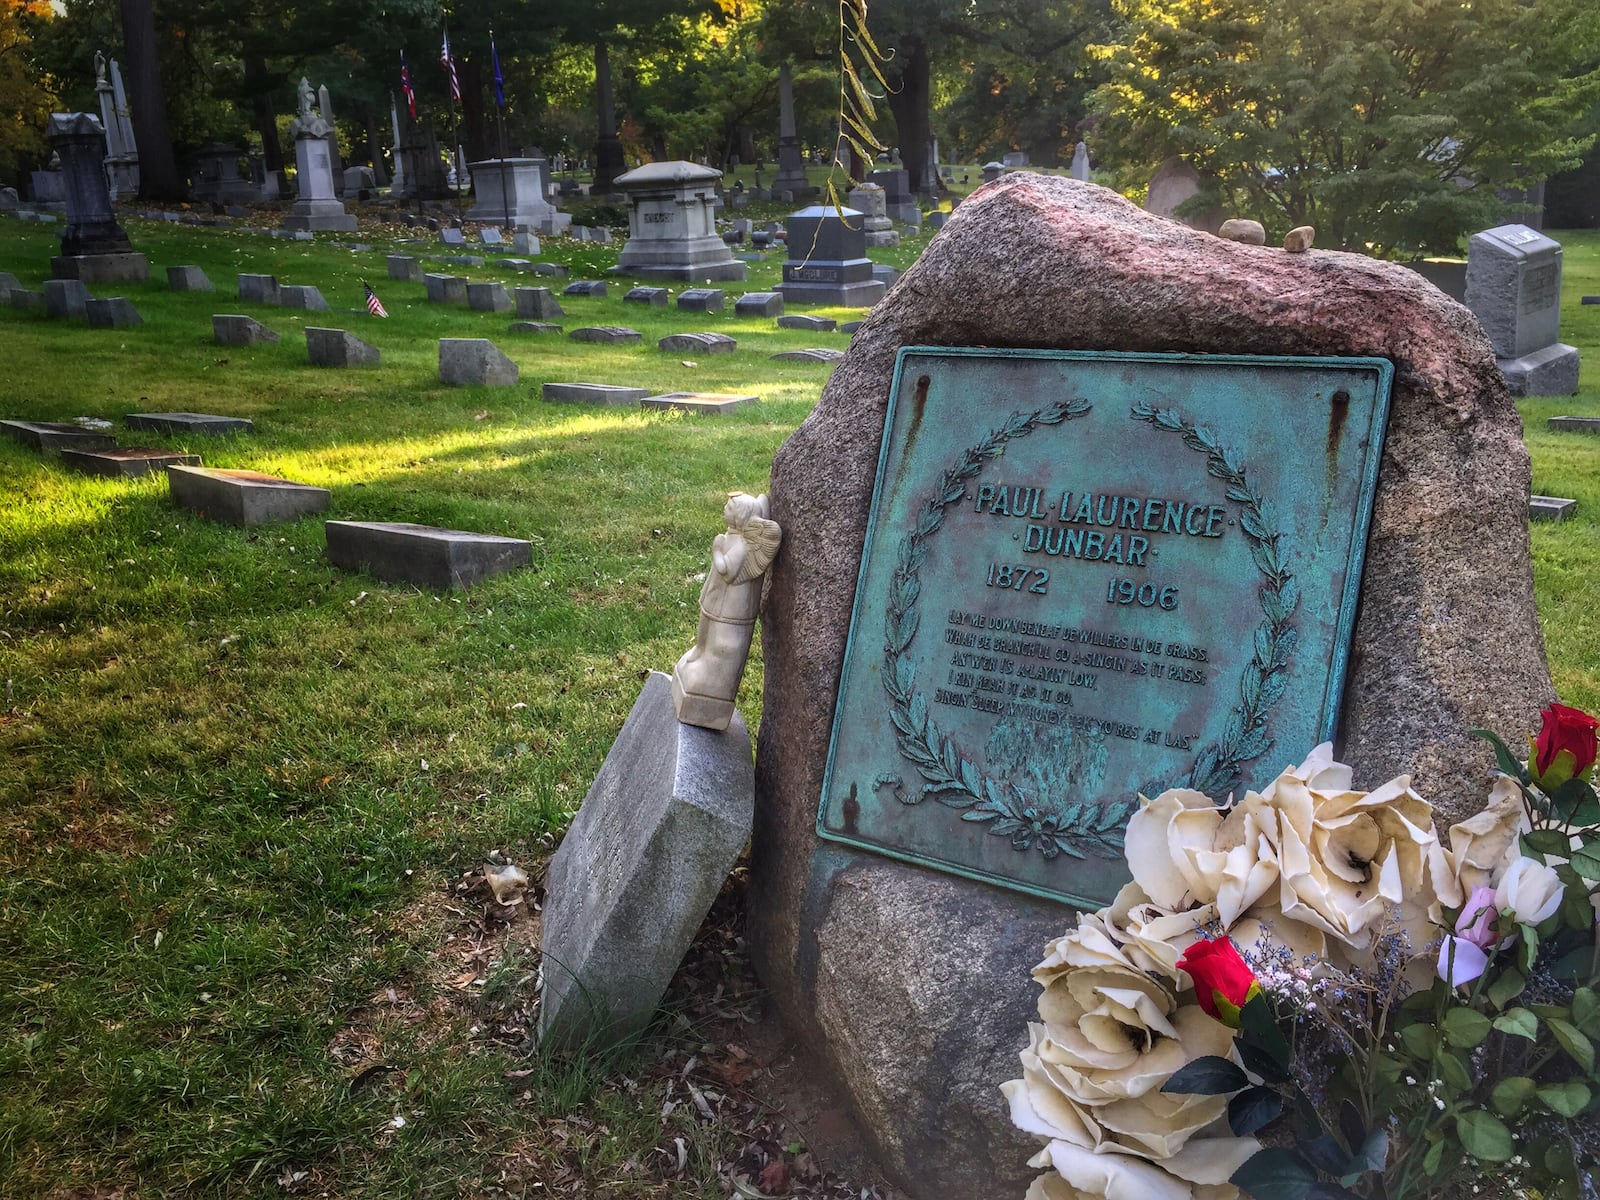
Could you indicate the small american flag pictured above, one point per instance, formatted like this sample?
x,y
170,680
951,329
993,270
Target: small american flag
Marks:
x,y
449,64
374,305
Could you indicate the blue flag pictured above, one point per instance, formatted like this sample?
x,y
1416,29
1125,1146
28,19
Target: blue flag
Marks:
x,y
499,81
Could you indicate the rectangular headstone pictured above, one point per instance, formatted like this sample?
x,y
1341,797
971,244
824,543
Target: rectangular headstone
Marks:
x,y
1073,594
474,362
606,394
8,282
759,304
404,266
548,268
66,298
101,268
524,242
697,343
188,279
488,297
303,297
1574,424
656,297
22,298
188,422
452,237
260,289
611,335
813,324
422,554
1514,288
235,329
585,287
532,327
1550,508
700,300
127,462
56,435
490,236
537,304
336,348
446,289
111,312
705,403
243,497
637,872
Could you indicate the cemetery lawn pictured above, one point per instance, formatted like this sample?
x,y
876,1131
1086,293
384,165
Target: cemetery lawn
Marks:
x,y
243,795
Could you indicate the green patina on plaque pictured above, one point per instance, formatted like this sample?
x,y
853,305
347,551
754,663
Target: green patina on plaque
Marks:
x,y
1090,575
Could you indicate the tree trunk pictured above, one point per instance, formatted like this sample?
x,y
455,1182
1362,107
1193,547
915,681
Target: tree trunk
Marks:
x,y
158,170
371,118
911,106
266,120
473,125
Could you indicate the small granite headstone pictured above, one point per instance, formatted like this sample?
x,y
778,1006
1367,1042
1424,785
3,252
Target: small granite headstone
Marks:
x,y
532,327
548,268
537,304
488,297
260,289
490,236
474,362
188,422
446,289
613,335
886,275
1514,289
234,329
58,435
111,312
698,343
336,348
636,873
605,394
188,279
452,237
700,300
66,298
524,242
1540,508
127,462
303,297
585,287
814,324
828,261
1573,424
654,296
423,554
404,266
243,497
759,304
816,354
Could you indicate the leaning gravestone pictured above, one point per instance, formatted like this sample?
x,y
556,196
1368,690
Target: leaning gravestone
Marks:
x,y
474,362
637,872
895,935
1514,288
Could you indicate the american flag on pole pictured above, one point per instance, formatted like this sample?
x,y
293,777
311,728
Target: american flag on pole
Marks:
x,y
374,305
405,86
449,64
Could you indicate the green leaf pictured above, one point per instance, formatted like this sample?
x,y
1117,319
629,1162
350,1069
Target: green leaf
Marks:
x,y
1568,1099
1586,861
1483,1135
1506,987
1434,1158
1503,756
1453,1070
1586,1011
1326,1154
1262,1063
1260,1030
1573,1042
1208,1076
1547,841
1371,1155
1252,1109
1518,1022
1574,803
1509,1095
1465,1027
1276,1174
1419,1041
1575,965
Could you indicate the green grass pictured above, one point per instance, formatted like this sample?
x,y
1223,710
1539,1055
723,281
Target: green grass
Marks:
x,y
237,787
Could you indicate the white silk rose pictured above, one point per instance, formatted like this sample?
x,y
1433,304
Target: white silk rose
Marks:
x,y
1530,890
1486,843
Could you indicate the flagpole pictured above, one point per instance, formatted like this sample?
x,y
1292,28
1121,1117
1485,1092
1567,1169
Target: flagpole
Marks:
x,y
455,127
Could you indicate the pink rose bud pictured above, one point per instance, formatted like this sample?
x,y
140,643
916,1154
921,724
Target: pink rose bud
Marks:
x,y
1477,920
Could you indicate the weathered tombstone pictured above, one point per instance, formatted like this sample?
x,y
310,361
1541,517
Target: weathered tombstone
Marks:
x,y
512,192
446,289
474,362
262,289
216,178
94,247
57,435
1545,508
672,232
188,279
234,329
868,200
122,151
898,201
126,462
66,298
404,266
188,422
1173,185
453,236
992,171
423,554
8,282
302,296
637,871
1514,289
655,297
886,275
1573,424
336,348
702,403
111,312
358,179
490,236
537,304
604,394
1080,163
547,268
585,287
791,175
488,297
1446,638
828,261
610,335
700,300
759,304
937,218
524,242
815,354
814,324
318,207
532,327
422,166
697,343
243,497
1014,159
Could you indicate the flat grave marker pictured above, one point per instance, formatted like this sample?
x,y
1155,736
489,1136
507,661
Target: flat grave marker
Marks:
x,y
604,394
613,335
188,422
704,403
243,498
55,435
400,552
126,462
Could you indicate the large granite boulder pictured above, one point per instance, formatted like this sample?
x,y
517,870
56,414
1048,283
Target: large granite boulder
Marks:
x,y
911,987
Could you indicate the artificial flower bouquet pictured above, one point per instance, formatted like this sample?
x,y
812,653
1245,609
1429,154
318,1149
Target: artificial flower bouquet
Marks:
x,y
1307,993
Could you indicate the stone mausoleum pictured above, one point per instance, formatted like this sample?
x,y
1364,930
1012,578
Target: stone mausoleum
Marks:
x,y
672,231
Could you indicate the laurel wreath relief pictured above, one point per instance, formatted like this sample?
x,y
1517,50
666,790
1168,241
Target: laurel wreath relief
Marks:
x,y
1080,828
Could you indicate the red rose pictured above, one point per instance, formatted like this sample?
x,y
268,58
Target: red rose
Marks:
x,y
1223,982
1565,747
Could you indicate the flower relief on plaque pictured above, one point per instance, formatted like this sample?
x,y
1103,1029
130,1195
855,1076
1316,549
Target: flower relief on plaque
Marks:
x,y
1089,576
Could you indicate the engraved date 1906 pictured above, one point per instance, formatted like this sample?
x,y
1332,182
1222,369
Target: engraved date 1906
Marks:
x,y
1018,578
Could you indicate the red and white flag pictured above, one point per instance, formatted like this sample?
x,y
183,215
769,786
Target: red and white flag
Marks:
x,y
449,64
374,305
